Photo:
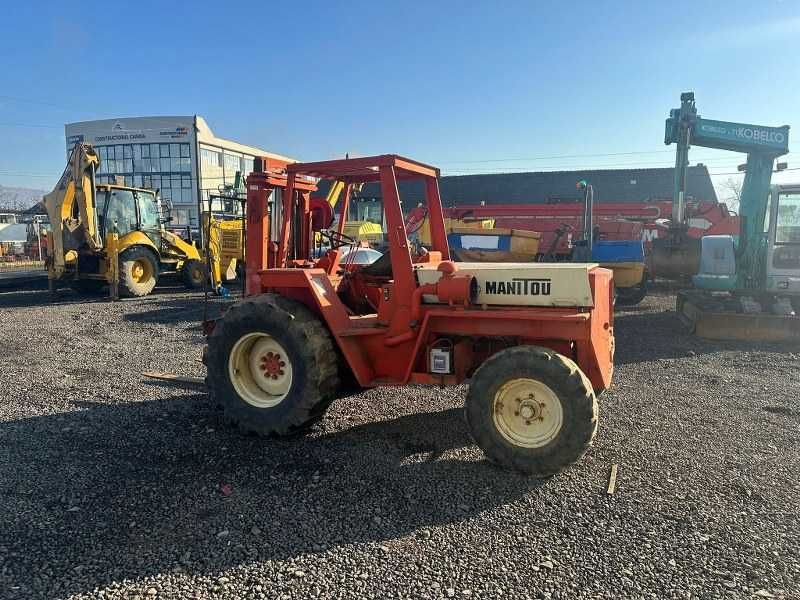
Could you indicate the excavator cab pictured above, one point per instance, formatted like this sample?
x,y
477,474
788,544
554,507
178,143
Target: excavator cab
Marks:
x,y
783,242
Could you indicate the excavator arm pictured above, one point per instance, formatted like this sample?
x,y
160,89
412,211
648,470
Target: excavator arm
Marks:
x,y
763,145
72,211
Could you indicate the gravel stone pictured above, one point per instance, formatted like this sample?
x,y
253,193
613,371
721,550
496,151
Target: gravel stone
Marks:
x,y
707,461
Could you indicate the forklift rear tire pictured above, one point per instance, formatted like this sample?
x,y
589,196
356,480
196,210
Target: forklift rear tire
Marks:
x,y
272,366
532,410
138,272
193,274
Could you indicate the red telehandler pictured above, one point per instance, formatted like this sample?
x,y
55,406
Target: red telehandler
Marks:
x,y
534,340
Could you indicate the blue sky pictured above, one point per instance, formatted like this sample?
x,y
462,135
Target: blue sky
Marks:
x,y
462,85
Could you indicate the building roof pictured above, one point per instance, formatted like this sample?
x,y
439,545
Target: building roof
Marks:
x,y
610,185
36,209
17,232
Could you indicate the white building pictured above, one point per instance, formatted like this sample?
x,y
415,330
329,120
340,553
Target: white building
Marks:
x,y
180,156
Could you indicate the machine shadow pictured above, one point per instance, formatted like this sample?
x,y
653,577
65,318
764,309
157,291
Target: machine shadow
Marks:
x,y
668,338
115,501
29,298
189,308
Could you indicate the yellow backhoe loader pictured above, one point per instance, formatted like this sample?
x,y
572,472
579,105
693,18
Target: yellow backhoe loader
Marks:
x,y
362,231
222,220
111,234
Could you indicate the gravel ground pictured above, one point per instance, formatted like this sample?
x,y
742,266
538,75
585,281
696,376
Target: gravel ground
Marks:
x,y
115,487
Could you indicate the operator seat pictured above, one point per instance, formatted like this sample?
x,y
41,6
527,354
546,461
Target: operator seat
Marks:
x,y
380,268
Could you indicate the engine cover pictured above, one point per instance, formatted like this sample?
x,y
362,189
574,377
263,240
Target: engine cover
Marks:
x,y
522,284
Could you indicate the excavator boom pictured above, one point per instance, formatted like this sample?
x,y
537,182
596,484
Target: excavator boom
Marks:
x,y
762,144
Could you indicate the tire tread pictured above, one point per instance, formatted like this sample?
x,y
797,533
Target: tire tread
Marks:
x,y
318,391
567,381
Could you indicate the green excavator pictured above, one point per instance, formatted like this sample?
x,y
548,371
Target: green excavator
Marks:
x,y
748,286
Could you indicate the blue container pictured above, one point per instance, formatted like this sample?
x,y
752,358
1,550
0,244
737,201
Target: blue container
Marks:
x,y
618,251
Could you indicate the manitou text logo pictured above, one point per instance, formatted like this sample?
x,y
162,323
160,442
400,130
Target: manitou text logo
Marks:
x,y
519,286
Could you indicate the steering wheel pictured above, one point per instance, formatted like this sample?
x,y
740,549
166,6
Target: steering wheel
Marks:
x,y
336,239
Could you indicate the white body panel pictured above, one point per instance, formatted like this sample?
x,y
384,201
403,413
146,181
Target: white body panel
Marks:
x,y
522,284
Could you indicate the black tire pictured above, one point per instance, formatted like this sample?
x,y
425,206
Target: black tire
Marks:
x,y
566,381
193,274
88,287
311,354
633,295
130,283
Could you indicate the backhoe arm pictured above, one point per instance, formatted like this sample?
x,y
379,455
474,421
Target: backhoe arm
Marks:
x,y
72,210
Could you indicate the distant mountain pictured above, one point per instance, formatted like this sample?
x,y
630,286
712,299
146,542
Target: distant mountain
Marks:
x,y
15,198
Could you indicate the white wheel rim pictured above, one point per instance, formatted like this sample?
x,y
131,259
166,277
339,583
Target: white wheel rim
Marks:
x,y
260,370
527,413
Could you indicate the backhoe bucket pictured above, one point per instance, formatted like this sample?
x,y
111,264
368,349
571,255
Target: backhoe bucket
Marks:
x,y
710,318
676,261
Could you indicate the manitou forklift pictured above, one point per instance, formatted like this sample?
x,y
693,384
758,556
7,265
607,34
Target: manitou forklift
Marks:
x,y
534,340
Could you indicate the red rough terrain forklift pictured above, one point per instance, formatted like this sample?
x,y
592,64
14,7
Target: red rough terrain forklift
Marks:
x,y
535,340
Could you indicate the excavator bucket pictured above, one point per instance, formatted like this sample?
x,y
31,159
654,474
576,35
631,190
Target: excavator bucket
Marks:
x,y
718,319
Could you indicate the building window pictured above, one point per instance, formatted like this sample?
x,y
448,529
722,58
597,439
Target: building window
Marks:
x,y
180,216
232,164
159,166
210,158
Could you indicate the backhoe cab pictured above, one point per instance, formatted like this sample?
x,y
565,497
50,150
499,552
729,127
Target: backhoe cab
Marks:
x,y
103,234
534,340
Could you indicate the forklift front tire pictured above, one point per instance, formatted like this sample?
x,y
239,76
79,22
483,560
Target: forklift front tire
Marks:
x,y
272,366
532,410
